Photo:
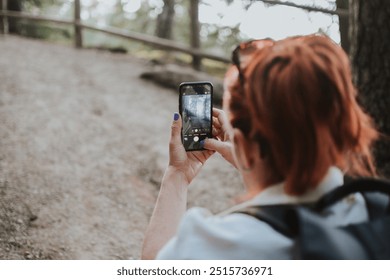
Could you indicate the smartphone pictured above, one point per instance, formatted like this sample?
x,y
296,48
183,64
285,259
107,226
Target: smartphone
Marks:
x,y
195,107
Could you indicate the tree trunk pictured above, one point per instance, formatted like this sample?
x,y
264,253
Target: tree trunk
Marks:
x,y
344,25
370,57
195,32
13,24
78,37
2,19
165,20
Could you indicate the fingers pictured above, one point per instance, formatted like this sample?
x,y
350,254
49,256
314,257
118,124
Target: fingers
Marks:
x,y
215,132
221,124
215,145
223,148
220,115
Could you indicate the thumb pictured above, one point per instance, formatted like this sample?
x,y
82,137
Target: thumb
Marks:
x,y
176,129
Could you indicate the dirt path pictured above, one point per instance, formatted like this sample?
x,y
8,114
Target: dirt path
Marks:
x,y
83,144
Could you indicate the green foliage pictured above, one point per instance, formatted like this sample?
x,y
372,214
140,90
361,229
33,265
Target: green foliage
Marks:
x,y
44,31
31,4
144,20
221,39
215,38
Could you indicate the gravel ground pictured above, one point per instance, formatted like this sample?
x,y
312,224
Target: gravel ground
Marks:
x,y
83,144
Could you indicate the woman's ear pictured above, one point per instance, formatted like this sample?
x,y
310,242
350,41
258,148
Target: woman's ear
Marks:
x,y
245,150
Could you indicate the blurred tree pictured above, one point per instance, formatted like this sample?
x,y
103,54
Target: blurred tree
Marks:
x,y
370,56
195,32
165,20
77,30
343,24
2,20
17,26
16,6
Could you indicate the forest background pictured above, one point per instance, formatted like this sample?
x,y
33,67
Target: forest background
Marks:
x,y
70,188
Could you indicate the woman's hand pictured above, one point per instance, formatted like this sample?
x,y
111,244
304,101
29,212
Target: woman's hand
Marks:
x,y
188,163
222,131
172,198
183,167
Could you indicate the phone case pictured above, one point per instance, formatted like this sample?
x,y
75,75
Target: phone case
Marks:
x,y
195,107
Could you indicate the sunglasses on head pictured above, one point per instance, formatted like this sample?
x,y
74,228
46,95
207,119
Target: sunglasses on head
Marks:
x,y
241,57
242,54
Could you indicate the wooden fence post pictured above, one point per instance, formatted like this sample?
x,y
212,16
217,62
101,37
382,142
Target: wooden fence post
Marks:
x,y
78,36
4,19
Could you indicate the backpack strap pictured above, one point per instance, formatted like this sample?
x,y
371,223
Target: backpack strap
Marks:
x,y
378,204
279,217
315,239
376,193
283,218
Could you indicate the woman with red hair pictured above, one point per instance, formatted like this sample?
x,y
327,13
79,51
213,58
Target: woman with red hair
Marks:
x,y
293,128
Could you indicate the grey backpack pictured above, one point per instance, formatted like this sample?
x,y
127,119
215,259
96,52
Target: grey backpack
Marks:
x,y
316,239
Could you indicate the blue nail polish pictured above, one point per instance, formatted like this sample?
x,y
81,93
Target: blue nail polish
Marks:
x,y
175,116
201,143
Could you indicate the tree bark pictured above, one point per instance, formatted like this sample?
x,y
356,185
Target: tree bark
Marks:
x,y
2,19
370,57
340,12
195,32
343,24
165,20
78,37
16,6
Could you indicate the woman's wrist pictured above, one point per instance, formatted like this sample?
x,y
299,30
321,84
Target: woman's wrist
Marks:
x,y
175,177
170,207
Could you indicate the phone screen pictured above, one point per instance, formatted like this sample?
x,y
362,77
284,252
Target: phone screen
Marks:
x,y
196,112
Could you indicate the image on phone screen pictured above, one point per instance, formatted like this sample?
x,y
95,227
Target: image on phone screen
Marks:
x,y
196,103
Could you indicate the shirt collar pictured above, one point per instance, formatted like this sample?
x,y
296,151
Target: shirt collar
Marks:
x,y
275,194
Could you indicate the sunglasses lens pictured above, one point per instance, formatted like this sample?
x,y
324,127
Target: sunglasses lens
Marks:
x,y
259,44
242,53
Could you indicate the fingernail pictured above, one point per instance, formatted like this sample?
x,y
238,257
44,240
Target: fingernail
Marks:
x,y
175,116
202,143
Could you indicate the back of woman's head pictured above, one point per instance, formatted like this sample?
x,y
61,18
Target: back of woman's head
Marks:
x,y
298,101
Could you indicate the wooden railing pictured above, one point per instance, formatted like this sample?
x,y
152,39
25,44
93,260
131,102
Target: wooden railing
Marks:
x,y
79,26
149,40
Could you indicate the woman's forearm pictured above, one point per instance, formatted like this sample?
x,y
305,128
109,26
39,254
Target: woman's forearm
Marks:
x,y
170,206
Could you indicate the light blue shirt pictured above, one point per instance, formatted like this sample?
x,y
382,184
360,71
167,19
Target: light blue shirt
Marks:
x,y
230,235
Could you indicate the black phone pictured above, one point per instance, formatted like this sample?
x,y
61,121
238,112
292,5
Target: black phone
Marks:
x,y
195,107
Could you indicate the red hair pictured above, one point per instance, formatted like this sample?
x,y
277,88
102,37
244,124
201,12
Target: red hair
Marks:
x,y
299,103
